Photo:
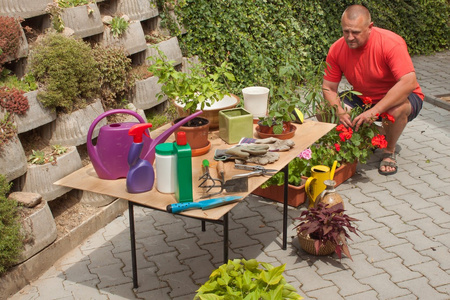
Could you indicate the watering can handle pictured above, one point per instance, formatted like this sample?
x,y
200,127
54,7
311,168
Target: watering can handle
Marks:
x,y
333,169
308,182
108,113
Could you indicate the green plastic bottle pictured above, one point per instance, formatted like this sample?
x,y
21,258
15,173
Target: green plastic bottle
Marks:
x,y
183,157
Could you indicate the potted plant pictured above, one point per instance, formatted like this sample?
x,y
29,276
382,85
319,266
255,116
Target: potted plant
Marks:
x,y
194,90
284,98
341,144
244,279
323,230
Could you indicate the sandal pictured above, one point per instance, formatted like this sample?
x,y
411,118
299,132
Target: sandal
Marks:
x,y
392,164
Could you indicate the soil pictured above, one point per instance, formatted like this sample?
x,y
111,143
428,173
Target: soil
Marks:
x,y
69,213
67,210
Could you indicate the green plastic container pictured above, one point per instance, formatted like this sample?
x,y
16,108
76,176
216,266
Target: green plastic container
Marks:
x,y
183,158
235,124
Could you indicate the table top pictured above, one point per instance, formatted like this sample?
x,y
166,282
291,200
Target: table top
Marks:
x,y
86,178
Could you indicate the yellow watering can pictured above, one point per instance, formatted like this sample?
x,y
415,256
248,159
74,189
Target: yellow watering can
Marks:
x,y
314,185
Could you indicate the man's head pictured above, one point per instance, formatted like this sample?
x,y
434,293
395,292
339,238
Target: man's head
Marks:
x,y
356,26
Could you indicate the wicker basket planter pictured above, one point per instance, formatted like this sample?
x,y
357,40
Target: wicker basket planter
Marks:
x,y
307,244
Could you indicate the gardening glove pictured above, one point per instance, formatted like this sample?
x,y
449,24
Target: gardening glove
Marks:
x,y
245,150
275,144
265,159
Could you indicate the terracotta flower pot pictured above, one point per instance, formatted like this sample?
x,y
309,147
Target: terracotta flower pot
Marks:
x,y
197,136
297,194
307,244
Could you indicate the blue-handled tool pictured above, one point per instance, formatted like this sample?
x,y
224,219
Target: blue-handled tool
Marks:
x,y
204,204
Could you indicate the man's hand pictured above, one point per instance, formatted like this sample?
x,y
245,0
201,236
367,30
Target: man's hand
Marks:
x,y
366,117
345,119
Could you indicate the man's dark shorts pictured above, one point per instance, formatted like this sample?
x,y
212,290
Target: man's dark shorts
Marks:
x,y
353,100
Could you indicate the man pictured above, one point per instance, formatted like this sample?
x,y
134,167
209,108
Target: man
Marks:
x,y
377,64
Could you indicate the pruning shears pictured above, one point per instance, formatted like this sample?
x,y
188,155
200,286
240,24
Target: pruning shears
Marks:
x,y
256,171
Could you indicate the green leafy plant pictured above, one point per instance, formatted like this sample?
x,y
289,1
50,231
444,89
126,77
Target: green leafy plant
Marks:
x,y
326,223
244,279
10,235
10,33
55,15
39,157
13,100
118,26
116,78
27,83
7,129
67,71
72,3
193,88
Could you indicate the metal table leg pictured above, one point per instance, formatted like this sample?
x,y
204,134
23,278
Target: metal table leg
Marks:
x,y
133,244
285,205
225,238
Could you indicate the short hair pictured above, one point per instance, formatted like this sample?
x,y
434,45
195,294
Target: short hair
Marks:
x,y
355,11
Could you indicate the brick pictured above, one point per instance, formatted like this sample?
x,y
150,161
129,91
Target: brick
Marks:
x,y
373,251
435,275
369,295
397,270
142,261
366,222
325,293
355,196
387,199
309,279
443,238
419,240
346,283
385,237
395,224
239,238
385,288
79,272
255,225
111,275
440,255
167,263
429,228
361,267
181,284
174,231
415,201
102,257
375,209
406,213
187,248
437,214
156,244
422,289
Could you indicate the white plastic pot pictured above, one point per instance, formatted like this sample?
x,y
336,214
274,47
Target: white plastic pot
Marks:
x,y
255,100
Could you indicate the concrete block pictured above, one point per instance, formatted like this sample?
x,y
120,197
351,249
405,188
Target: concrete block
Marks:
x,y
132,40
137,9
23,8
84,20
36,116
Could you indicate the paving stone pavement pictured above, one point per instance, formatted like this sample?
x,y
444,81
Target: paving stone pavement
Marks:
x,y
402,251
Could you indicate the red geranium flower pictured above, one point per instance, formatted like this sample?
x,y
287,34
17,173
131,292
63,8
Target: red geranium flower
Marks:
x,y
388,117
346,134
379,141
338,147
367,100
340,127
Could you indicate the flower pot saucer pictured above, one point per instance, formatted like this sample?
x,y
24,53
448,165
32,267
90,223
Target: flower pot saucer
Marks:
x,y
201,151
282,136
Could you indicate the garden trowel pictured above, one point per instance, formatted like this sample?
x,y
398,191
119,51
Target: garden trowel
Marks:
x,y
204,204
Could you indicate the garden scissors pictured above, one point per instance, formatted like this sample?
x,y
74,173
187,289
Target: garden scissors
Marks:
x,y
256,171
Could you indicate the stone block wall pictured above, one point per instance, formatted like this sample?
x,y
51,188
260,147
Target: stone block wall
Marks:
x,y
70,130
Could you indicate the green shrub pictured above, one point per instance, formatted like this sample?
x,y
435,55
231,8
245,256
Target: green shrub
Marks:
x,y
116,79
67,69
27,83
10,235
257,36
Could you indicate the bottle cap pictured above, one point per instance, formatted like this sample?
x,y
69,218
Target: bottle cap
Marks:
x,y
181,138
164,149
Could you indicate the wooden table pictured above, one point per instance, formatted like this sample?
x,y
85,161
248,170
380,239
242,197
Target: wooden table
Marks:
x,y
86,179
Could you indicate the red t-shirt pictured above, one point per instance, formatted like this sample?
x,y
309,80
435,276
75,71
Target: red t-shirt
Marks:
x,y
374,68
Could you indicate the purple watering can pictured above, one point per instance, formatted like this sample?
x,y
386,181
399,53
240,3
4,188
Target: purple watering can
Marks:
x,y
109,155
